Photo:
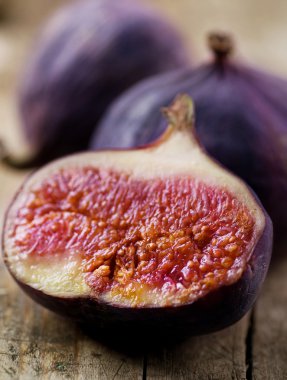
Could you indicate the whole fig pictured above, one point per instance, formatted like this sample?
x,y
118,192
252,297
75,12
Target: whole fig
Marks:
x,y
89,53
150,238
241,120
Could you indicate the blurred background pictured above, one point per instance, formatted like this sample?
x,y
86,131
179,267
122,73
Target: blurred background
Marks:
x,y
259,28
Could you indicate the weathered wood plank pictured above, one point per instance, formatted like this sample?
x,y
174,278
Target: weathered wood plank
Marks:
x,y
270,331
36,344
218,356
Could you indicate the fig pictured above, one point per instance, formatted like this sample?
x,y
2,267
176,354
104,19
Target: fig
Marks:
x,y
241,120
89,53
157,237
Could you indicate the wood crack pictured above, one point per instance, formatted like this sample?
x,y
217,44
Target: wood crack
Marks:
x,y
249,347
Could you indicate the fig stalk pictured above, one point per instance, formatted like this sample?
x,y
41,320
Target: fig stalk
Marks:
x,y
180,115
221,44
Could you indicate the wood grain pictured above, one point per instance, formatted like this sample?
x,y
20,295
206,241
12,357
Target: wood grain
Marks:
x,y
37,344
270,324
217,356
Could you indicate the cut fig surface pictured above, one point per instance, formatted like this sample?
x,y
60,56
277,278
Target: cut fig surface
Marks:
x,y
158,227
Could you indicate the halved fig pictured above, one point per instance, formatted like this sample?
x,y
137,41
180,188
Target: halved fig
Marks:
x,y
158,236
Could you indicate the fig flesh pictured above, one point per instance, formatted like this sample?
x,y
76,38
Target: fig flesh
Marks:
x,y
241,121
156,237
89,53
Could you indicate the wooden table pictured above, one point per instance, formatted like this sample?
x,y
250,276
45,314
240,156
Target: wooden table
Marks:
x,y
37,344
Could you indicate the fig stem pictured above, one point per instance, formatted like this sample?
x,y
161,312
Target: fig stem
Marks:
x,y
180,114
221,44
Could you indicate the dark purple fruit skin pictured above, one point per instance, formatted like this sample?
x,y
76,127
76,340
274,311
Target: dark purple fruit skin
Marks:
x,y
241,120
89,53
213,312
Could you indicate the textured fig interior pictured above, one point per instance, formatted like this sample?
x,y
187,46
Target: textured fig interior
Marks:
x,y
128,240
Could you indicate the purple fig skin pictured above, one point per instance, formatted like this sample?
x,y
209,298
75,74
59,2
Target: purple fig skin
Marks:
x,y
89,53
241,120
215,311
